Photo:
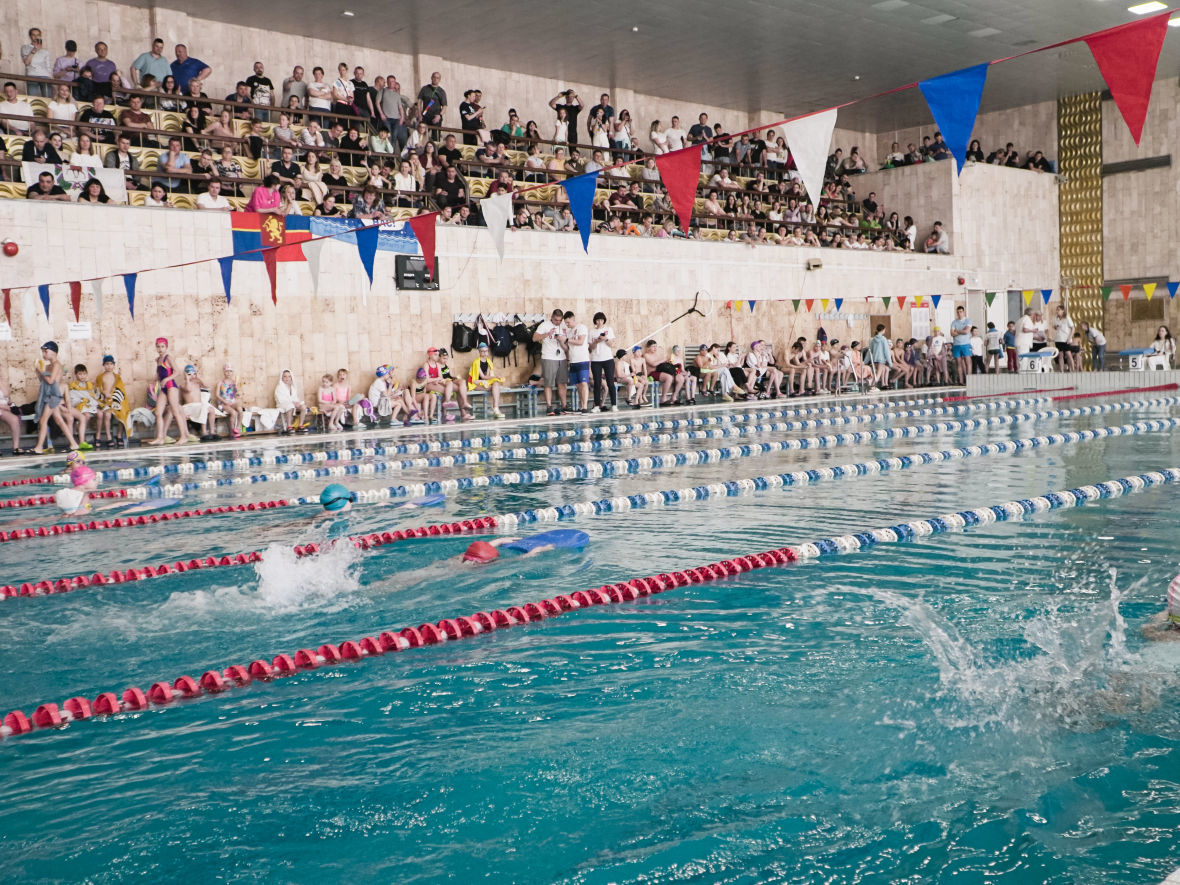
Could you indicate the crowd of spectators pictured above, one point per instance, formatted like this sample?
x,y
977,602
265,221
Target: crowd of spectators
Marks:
x,y
343,146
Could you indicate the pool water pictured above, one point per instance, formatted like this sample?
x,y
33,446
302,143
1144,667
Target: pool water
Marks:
x,y
977,706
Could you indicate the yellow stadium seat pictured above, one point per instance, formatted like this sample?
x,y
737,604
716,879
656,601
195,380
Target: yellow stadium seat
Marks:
x,y
238,203
251,168
478,187
184,201
12,190
136,198
40,106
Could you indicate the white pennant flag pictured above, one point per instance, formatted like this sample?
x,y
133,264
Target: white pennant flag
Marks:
x,y
28,307
497,212
808,139
311,251
96,290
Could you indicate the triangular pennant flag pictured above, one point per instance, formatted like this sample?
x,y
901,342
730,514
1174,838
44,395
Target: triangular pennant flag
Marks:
x,y
8,306
954,103
989,297
497,212
809,302
43,291
823,303
1172,289
839,302
96,291
1125,288
934,299
366,247
129,285
729,305
423,228
752,303
76,300
795,304
681,173
580,191
269,259
1127,56
1046,294
808,139
901,301
1028,294
738,306
918,300
1149,290
312,250
1106,290
227,274
885,300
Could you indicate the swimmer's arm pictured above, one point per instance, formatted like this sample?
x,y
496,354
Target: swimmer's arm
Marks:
x,y
544,548
496,542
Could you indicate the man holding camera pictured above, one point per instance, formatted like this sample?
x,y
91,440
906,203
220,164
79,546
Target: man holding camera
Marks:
x,y
37,64
573,106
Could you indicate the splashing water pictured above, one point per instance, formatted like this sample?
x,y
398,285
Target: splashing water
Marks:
x,y
1077,671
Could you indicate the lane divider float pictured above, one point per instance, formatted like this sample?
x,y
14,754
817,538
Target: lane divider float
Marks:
x,y
160,694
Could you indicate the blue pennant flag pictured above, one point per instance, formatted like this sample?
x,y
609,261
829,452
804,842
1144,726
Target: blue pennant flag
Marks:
x,y
1172,289
580,190
954,102
44,292
934,299
227,273
839,302
129,284
366,246
1046,294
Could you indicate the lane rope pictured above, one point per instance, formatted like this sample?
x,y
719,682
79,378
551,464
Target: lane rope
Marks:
x,y
52,716
588,508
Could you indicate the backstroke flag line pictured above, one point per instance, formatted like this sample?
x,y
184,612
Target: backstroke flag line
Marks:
x,y
954,103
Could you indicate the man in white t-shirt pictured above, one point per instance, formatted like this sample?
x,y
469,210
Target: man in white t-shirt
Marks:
x,y
675,135
937,354
1063,339
212,198
577,347
13,105
554,361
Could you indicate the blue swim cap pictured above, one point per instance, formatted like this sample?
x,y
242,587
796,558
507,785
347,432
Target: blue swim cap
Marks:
x,y
190,369
382,371
334,497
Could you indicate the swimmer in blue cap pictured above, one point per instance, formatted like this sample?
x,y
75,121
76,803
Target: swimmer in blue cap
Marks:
x,y
336,498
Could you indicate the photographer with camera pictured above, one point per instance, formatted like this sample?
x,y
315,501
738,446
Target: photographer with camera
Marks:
x,y
37,64
572,105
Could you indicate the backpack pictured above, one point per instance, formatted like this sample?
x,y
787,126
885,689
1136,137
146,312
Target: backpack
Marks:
x,y
501,343
462,338
520,332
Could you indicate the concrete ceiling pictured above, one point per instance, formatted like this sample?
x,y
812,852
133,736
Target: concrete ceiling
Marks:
x,y
788,56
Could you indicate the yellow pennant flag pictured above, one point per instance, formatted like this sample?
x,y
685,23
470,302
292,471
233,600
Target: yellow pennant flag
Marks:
x,y
918,300
824,302
1149,289
1028,294
737,305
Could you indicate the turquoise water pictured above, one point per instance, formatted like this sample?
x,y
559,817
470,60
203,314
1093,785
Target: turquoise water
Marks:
x,y
972,707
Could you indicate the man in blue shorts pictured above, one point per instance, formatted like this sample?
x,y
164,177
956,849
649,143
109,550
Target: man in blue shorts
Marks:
x,y
577,345
961,343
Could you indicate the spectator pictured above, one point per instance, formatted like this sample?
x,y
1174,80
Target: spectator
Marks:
x,y
938,149
63,108
471,116
204,165
608,113
432,102
256,141
894,158
362,95
288,200
122,158
450,190
66,67
36,60
395,110
157,198
241,96
871,207
567,113
311,136
151,62
353,145
38,149
93,193
102,119
328,208
266,199
295,87
659,141
173,160
262,90
937,242
974,151
46,189
170,95
554,361
102,68
1038,163
674,136
200,99
191,73
319,93
286,168
314,189
135,118
623,137
1097,348
334,178
561,127
15,106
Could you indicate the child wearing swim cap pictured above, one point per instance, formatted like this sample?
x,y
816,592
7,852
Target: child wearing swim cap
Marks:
x,y
76,501
335,498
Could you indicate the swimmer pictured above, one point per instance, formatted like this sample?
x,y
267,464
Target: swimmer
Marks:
x,y
76,501
1165,627
483,552
336,499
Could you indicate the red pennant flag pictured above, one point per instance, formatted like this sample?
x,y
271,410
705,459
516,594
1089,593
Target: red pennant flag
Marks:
x,y
1125,288
901,301
269,257
76,299
423,228
8,306
1127,56
809,302
681,173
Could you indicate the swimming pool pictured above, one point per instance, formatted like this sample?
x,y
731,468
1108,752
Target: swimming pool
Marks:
x,y
971,705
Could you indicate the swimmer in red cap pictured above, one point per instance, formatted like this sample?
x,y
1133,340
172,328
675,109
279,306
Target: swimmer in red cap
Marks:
x,y
483,552
76,501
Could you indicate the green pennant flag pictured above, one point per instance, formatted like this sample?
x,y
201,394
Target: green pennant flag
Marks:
x,y
989,297
886,301
1106,290
795,304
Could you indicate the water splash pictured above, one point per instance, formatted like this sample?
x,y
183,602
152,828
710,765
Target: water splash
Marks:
x,y
1075,669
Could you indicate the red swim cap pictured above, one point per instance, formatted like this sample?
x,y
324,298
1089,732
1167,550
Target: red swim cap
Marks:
x,y
480,551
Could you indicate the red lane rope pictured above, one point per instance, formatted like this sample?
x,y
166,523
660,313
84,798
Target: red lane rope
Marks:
x,y
33,480
364,542
1117,392
41,500
108,703
127,521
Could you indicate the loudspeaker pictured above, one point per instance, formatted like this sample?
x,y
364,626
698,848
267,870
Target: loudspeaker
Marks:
x,y
411,273
814,263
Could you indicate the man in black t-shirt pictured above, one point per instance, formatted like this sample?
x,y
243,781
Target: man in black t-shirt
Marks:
x,y
262,91
432,102
451,190
38,149
98,113
362,95
700,131
45,189
573,107
286,168
449,153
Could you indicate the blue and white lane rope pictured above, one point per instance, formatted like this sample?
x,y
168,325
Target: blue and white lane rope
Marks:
x,y
353,454
950,522
596,469
749,485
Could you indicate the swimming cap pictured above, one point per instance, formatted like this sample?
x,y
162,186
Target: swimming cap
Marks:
x,y
480,551
421,373
50,345
334,497
162,340
382,371
81,475
73,459
107,359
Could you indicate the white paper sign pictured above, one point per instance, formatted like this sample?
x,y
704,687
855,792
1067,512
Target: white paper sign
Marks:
x,y
5,332
79,332
919,322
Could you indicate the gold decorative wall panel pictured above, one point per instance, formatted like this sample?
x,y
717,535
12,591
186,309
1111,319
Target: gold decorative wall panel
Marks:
x,y
1079,153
